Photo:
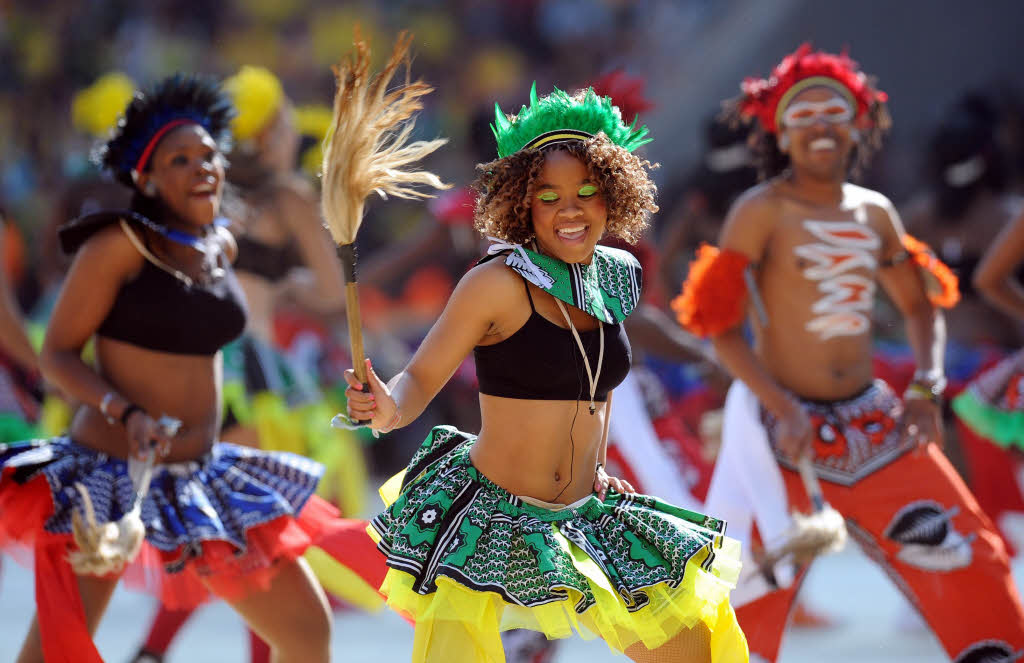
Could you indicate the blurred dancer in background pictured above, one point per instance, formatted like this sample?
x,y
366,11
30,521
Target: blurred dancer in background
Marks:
x,y
805,251
284,256
992,406
966,206
154,285
20,382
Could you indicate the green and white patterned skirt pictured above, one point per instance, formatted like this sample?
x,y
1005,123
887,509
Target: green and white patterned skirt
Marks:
x,y
467,557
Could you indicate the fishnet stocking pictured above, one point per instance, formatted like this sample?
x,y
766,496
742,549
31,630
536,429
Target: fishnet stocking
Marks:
x,y
689,646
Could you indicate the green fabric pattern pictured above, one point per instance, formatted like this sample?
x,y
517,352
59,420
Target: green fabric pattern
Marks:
x,y
1003,427
449,520
13,428
252,367
559,111
608,288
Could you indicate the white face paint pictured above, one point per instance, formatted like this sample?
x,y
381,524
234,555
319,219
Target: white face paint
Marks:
x,y
805,113
847,298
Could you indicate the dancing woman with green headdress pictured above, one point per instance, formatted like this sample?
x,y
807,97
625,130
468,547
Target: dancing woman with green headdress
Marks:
x,y
520,526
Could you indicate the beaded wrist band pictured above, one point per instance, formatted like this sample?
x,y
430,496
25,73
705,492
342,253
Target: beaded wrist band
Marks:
x,y
918,391
108,398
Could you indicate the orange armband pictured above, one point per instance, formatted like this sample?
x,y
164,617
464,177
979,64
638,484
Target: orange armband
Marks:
x,y
714,295
940,283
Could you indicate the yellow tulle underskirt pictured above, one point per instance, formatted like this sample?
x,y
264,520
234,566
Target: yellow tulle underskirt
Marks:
x,y
456,622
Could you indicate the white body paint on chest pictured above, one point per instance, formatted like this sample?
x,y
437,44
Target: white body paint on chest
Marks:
x,y
847,298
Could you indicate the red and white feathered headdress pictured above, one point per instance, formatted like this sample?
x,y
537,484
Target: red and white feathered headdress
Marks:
x,y
766,98
627,92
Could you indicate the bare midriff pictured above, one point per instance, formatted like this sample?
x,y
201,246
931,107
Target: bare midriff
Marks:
x,y
547,450
186,387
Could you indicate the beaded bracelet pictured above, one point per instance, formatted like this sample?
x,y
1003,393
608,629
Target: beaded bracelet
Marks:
x,y
921,392
108,398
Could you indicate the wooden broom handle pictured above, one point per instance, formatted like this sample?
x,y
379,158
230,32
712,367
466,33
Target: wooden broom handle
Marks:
x,y
347,255
811,484
355,333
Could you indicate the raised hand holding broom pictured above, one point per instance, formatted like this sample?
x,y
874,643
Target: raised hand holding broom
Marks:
x,y
820,533
367,149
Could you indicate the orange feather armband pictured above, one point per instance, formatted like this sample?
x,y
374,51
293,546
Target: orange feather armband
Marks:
x,y
714,295
940,283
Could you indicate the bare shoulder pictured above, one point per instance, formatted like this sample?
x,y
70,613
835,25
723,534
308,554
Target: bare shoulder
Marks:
x,y
875,202
112,249
492,281
297,199
296,191
300,186
759,200
751,220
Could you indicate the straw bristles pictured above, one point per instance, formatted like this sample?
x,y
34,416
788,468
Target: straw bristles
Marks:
x,y
820,533
104,548
367,149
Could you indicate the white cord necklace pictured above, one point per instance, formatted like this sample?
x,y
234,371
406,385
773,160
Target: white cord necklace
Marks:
x,y
591,377
209,274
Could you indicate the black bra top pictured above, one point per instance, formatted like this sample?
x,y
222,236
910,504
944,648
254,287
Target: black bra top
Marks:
x,y
541,361
157,310
266,260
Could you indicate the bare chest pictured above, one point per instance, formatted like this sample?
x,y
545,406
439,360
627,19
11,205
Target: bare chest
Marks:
x,y
827,267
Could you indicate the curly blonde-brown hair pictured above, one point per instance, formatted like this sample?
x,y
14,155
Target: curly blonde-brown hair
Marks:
x,y
505,188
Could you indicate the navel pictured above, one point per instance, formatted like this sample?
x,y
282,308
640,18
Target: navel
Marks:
x,y
558,477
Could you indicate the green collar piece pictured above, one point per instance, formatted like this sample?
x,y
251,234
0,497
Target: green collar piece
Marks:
x,y
558,117
608,288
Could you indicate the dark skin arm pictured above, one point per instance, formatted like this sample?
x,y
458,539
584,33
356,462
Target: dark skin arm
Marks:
x,y
747,229
12,329
995,279
389,265
326,293
925,325
99,269
652,331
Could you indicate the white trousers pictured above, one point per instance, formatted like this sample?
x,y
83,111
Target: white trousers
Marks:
x,y
747,487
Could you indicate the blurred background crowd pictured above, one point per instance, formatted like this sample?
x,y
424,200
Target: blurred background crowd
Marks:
x,y
954,162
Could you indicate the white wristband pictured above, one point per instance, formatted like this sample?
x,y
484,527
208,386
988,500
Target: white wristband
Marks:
x,y
105,406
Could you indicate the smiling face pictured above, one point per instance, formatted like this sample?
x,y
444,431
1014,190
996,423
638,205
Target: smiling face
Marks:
x,y
817,133
187,172
567,208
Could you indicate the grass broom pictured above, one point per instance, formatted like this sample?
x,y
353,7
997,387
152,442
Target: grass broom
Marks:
x,y
820,533
368,150
108,547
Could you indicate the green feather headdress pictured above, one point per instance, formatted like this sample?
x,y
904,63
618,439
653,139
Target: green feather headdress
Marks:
x,y
559,117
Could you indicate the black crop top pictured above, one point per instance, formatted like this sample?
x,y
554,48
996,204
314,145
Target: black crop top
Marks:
x,y
158,311
266,260
541,361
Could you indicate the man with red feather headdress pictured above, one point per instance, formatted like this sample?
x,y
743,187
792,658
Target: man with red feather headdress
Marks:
x,y
804,251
